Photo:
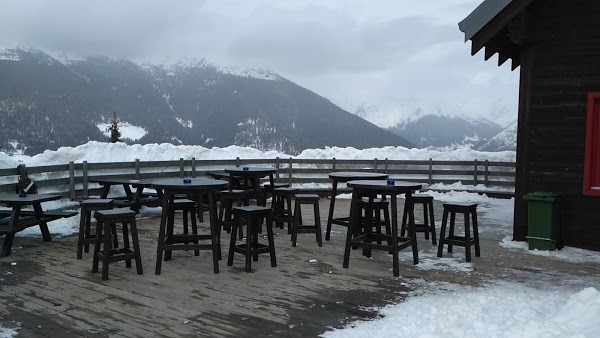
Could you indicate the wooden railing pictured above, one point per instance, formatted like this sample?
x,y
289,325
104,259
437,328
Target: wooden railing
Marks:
x,y
72,179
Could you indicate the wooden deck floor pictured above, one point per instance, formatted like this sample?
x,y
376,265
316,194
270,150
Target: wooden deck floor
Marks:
x,y
46,292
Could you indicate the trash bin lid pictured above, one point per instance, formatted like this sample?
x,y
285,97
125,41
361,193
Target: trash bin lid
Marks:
x,y
541,196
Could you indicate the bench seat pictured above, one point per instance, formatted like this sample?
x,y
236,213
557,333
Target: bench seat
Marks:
x,y
27,219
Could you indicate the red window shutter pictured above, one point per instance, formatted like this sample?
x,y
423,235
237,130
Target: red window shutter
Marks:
x,y
591,169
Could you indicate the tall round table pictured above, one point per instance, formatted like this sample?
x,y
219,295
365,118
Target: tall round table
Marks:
x,y
356,237
172,186
345,176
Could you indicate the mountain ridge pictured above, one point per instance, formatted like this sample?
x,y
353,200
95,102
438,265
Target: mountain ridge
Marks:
x,y
46,103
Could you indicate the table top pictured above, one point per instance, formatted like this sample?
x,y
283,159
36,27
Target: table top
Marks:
x,y
250,170
356,175
122,180
399,186
14,199
195,183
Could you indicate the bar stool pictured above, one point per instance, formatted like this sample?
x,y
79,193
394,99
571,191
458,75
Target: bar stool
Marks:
x,y
428,224
372,217
282,207
468,210
226,199
85,236
188,209
253,215
106,220
268,189
298,227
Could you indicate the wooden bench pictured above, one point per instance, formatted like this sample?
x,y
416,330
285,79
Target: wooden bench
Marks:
x,y
27,219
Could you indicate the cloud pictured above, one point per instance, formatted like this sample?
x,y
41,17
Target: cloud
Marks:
x,y
398,55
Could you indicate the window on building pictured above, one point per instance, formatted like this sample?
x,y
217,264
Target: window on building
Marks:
x,y
591,170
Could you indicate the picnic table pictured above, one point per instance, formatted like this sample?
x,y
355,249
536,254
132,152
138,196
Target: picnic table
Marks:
x,y
18,218
134,200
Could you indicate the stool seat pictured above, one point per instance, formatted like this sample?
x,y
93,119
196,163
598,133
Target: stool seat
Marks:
x,y
469,211
460,207
253,209
103,250
86,238
307,197
234,192
298,226
183,202
120,213
285,190
376,201
104,203
253,215
421,197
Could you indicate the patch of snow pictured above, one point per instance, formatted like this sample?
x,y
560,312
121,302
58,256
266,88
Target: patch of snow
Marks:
x,y
128,131
187,124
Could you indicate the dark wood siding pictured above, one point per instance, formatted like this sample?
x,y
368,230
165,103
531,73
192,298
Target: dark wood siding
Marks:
x,y
565,37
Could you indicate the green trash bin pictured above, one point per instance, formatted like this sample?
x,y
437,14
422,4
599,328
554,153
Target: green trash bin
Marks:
x,y
544,221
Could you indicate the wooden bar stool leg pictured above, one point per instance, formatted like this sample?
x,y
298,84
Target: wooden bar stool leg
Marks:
x,y
136,247
426,219
195,229
234,231
442,234
256,224
87,230
126,242
170,226
249,236
404,218
271,241
82,222
318,224
290,214
476,234
97,244
451,232
296,222
432,223
467,236
106,249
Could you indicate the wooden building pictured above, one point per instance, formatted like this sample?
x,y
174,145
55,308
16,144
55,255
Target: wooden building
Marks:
x,y
556,43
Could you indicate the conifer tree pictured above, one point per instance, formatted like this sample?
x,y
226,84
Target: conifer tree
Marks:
x,y
115,134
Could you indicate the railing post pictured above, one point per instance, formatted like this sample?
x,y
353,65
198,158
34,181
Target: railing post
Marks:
x,y
71,179
181,168
137,168
387,170
237,161
487,173
475,173
333,164
430,171
84,174
277,167
375,165
290,173
193,167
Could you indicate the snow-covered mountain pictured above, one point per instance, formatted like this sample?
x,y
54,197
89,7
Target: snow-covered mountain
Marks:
x,y
49,100
439,130
506,139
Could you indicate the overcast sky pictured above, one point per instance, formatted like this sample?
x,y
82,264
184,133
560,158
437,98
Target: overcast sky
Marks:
x,y
395,56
